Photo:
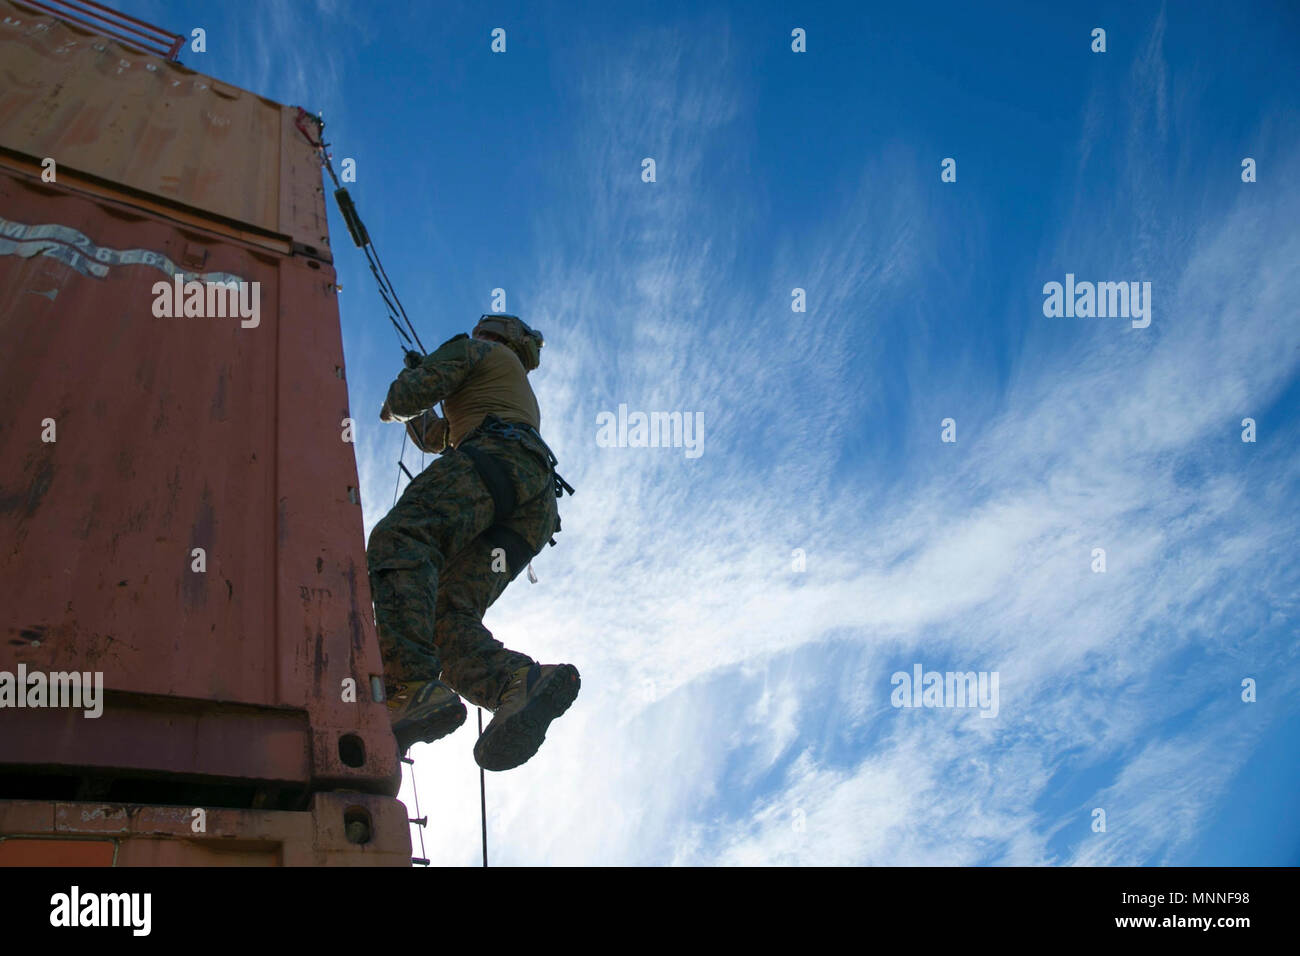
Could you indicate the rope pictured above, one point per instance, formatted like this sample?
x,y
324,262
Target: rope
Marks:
x,y
357,229
400,456
482,793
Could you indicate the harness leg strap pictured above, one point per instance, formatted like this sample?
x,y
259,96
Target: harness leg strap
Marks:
x,y
518,552
495,479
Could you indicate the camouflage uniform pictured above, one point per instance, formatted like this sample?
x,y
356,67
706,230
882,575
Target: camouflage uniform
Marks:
x,y
440,558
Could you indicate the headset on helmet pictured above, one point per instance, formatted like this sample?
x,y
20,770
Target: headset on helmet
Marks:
x,y
525,342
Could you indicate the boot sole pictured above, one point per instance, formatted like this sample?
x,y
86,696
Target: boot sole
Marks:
x,y
510,742
428,729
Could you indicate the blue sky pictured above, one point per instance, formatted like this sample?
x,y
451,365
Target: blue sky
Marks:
x,y
734,709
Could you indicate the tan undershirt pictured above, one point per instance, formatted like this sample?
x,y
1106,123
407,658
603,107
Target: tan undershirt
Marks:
x,y
497,385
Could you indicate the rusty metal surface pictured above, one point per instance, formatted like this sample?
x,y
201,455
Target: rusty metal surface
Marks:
x,y
174,434
41,833
101,110
198,739
15,162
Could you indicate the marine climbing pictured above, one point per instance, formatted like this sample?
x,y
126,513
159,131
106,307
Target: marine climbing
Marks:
x,y
462,531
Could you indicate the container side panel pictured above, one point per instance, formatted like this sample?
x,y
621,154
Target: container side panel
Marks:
x,y
325,613
151,125
163,442
178,504
177,498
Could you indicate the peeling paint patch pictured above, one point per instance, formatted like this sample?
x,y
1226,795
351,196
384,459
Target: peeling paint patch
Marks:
x,y
194,584
219,397
26,502
354,611
319,660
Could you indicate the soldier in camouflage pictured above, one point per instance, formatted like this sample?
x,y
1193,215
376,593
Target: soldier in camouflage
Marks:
x,y
462,531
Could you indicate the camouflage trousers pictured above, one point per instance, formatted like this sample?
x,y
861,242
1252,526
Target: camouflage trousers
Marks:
x,y
437,564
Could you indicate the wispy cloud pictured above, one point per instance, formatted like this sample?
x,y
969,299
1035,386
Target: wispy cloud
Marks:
x,y
735,710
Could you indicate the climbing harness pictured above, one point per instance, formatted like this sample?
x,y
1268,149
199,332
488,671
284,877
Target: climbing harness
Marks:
x,y
518,551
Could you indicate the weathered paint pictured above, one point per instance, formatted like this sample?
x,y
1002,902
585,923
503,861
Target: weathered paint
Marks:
x,y
36,833
172,434
175,434
143,123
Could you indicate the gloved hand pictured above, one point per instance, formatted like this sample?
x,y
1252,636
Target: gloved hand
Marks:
x,y
411,359
429,432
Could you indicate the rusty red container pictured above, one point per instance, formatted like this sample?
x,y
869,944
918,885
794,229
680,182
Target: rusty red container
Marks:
x,y
157,131
192,531
337,829
178,494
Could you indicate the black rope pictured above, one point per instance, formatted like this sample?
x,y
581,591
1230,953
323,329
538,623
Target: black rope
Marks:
x,y
375,267
357,229
482,793
379,262
400,456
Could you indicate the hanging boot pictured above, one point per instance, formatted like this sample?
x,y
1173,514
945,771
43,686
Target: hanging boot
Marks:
x,y
422,712
535,696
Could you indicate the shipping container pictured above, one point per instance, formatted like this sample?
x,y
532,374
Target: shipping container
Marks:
x,y
158,132
179,509
338,829
193,530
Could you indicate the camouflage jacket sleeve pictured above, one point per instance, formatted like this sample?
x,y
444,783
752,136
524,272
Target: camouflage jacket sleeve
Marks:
x,y
428,431
442,372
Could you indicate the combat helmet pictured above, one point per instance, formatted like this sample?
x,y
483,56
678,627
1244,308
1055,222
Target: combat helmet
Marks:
x,y
525,342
